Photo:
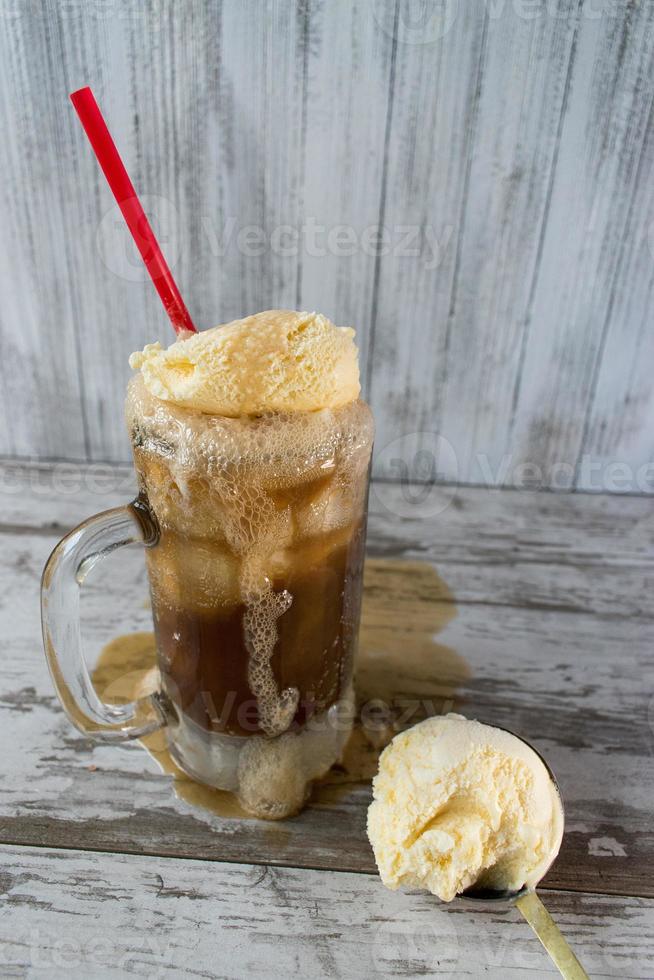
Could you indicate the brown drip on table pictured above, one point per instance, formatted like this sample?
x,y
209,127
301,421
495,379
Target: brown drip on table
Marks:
x,y
402,676
126,670
400,667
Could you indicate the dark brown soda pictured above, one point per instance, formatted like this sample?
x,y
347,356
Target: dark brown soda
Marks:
x,y
203,653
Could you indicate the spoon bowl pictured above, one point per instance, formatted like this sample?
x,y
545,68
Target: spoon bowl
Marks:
x,y
480,893
530,905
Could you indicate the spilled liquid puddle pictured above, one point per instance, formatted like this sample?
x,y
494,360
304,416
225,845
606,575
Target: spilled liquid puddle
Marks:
x,y
402,675
126,670
406,604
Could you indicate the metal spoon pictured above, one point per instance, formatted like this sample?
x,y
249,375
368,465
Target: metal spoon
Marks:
x,y
532,909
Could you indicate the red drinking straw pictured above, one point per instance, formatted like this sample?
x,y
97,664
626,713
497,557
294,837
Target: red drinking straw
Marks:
x,y
113,168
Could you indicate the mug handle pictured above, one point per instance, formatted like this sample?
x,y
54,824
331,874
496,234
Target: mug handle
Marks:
x,y
63,575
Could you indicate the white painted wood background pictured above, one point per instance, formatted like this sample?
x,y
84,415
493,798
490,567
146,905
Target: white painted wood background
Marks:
x,y
510,140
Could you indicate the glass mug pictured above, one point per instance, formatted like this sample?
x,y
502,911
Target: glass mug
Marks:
x,y
254,533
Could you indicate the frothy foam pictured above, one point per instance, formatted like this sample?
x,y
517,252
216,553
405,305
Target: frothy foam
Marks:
x,y
263,607
270,776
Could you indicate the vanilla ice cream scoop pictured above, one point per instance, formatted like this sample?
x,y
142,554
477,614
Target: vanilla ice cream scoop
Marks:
x,y
275,361
458,803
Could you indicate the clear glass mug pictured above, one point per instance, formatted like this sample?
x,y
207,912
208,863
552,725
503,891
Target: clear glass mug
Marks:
x,y
254,533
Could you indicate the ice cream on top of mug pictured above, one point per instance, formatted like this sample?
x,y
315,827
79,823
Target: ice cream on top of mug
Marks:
x,y
274,361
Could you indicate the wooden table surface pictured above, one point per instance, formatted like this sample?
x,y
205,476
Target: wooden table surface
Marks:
x,y
530,610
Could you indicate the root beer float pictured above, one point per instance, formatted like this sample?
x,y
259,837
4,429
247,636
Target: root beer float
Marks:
x,y
252,450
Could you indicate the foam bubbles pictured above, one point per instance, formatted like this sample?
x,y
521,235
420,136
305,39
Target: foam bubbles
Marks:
x,y
263,607
275,775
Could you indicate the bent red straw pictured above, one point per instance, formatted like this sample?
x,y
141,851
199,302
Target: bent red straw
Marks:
x,y
113,168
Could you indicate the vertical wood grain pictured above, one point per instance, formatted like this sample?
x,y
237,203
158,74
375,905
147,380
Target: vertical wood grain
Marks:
x,y
263,70
507,152
205,104
125,53
348,90
41,384
432,124
582,261
618,449
522,93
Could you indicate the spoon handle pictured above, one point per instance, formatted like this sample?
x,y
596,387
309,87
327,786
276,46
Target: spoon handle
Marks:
x,y
551,937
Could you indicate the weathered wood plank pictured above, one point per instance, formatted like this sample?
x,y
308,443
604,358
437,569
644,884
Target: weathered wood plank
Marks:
x,y
60,495
263,57
517,328
596,188
620,434
349,64
84,299
517,653
514,149
109,916
432,118
39,273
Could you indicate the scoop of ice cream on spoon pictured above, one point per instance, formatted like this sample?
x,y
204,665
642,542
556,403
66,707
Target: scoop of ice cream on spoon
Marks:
x,y
469,810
